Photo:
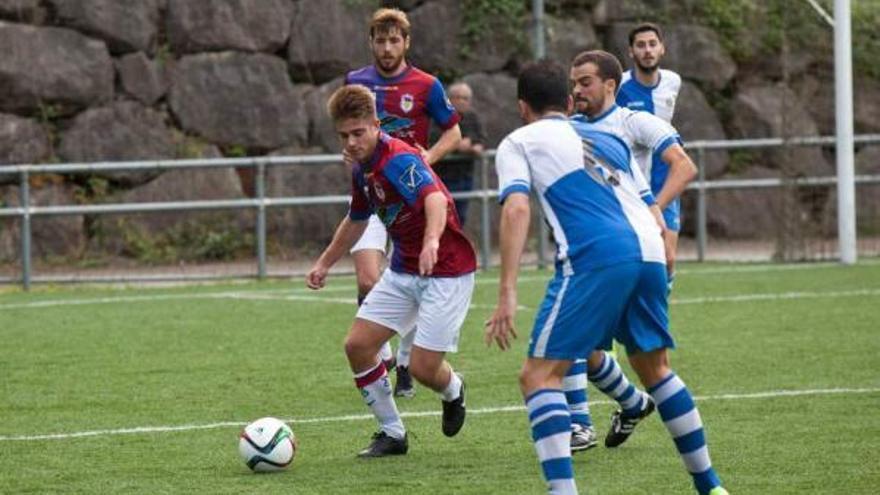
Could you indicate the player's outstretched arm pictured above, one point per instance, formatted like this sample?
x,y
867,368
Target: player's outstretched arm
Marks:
x,y
515,217
435,222
681,172
447,142
347,234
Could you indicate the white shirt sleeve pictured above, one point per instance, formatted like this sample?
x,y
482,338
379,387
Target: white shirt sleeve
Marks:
x,y
650,131
512,169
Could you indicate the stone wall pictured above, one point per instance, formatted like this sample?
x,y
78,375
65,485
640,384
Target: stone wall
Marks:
x,y
95,80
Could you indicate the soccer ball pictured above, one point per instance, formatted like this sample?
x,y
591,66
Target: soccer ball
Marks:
x,y
266,445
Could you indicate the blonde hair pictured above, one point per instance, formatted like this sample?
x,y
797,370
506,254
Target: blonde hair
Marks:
x,y
353,101
384,20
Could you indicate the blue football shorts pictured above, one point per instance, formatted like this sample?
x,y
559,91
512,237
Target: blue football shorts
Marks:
x,y
672,215
585,311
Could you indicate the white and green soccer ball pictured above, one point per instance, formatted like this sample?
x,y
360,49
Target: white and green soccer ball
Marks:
x,y
267,445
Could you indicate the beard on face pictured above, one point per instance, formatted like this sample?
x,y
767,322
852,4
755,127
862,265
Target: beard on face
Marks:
x,y
389,64
648,68
584,106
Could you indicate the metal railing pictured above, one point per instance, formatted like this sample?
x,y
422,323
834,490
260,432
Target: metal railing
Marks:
x,y
261,203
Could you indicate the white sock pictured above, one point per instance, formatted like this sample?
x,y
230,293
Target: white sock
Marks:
x,y
376,390
453,389
405,349
385,352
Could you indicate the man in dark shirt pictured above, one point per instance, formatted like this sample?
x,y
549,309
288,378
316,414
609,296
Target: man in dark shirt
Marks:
x,y
457,169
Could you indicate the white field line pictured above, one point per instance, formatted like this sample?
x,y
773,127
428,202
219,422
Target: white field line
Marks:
x,y
302,293
285,295
415,414
777,296
332,300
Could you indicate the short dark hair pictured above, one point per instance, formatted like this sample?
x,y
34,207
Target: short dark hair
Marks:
x,y
609,66
543,85
644,28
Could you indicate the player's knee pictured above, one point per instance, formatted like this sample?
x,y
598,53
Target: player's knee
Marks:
x,y
594,362
356,347
367,275
365,284
531,379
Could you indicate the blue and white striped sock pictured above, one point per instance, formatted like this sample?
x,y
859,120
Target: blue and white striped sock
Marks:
x,y
551,432
682,419
609,378
575,386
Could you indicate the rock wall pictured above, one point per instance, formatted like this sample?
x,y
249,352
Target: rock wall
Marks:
x,y
95,80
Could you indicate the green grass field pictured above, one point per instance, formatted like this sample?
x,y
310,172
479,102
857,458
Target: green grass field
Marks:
x,y
145,391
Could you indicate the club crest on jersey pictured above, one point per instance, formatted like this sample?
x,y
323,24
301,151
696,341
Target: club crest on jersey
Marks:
x,y
411,179
407,102
380,193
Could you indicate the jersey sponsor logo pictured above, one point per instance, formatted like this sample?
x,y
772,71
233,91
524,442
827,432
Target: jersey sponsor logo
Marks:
x,y
602,173
388,213
394,124
411,178
635,104
407,102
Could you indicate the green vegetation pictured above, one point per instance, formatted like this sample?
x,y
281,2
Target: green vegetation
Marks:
x,y
92,189
750,29
866,37
206,239
200,355
480,17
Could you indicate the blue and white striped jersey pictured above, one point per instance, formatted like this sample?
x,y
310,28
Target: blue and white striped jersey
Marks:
x,y
587,189
647,135
659,99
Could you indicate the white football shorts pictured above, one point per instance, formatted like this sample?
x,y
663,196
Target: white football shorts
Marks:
x,y
433,307
375,237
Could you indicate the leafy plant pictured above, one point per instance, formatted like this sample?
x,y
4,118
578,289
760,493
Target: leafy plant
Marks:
x,y
750,28
211,239
484,16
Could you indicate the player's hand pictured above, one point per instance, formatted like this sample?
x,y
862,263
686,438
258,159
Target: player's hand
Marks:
x,y
347,159
425,155
669,247
317,277
499,328
428,257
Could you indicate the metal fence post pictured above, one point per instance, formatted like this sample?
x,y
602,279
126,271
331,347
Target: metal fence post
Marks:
x,y
261,220
25,201
701,204
485,231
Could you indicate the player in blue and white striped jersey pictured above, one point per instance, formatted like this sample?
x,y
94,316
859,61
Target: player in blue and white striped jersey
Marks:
x,y
655,143
646,86
610,279
594,78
